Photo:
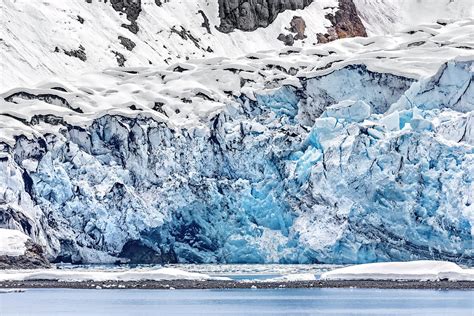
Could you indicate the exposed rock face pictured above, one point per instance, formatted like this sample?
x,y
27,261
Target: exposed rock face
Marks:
x,y
250,15
77,53
298,26
288,39
127,43
346,23
33,258
132,9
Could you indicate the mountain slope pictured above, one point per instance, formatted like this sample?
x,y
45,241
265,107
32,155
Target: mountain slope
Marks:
x,y
384,17
58,38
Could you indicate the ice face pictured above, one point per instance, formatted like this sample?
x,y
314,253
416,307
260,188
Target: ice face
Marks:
x,y
313,174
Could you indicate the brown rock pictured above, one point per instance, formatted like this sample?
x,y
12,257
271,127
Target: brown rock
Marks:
x,y
345,23
298,26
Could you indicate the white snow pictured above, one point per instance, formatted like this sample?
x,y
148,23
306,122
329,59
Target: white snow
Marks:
x,y
210,85
28,49
99,276
423,270
12,242
388,16
293,278
29,53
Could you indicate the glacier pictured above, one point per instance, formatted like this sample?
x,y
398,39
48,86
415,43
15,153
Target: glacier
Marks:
x,y
322,157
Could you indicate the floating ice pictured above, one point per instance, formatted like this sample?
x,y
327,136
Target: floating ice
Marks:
x,y
100,276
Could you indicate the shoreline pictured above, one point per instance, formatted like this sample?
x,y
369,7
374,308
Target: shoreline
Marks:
x,y
226,284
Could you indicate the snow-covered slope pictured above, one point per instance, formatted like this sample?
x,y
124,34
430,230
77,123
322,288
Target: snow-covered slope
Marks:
x,y
43,39
359,150
389,16
37,35
423,270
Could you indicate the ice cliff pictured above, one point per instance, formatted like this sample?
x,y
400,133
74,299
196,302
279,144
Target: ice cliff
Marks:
x,y
355,151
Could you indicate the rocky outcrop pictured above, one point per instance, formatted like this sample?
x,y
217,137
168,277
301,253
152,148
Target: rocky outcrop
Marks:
x,y
33,258
345,23
298,27
132,9
127,43
288,39
250,15
79,53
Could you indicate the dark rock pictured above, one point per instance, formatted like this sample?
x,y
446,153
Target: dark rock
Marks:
x,y
250,15
288,39
80,19
158,107
419,43
127,43
137,252
132,9
45,97
160,2
205,23
77,53
120,58
132,27
186,35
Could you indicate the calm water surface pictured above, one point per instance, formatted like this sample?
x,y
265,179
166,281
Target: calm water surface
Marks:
x,y
238,302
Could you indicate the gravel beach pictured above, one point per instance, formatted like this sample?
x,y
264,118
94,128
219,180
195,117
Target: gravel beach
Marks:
x,y
218,284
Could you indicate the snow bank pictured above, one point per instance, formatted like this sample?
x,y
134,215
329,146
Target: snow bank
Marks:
x,y
424,270
12,242
98,276
293,278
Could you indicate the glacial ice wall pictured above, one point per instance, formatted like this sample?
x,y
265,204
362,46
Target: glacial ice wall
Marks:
x,y
352,166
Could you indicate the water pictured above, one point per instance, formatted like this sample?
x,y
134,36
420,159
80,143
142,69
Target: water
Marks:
x,y
238,302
